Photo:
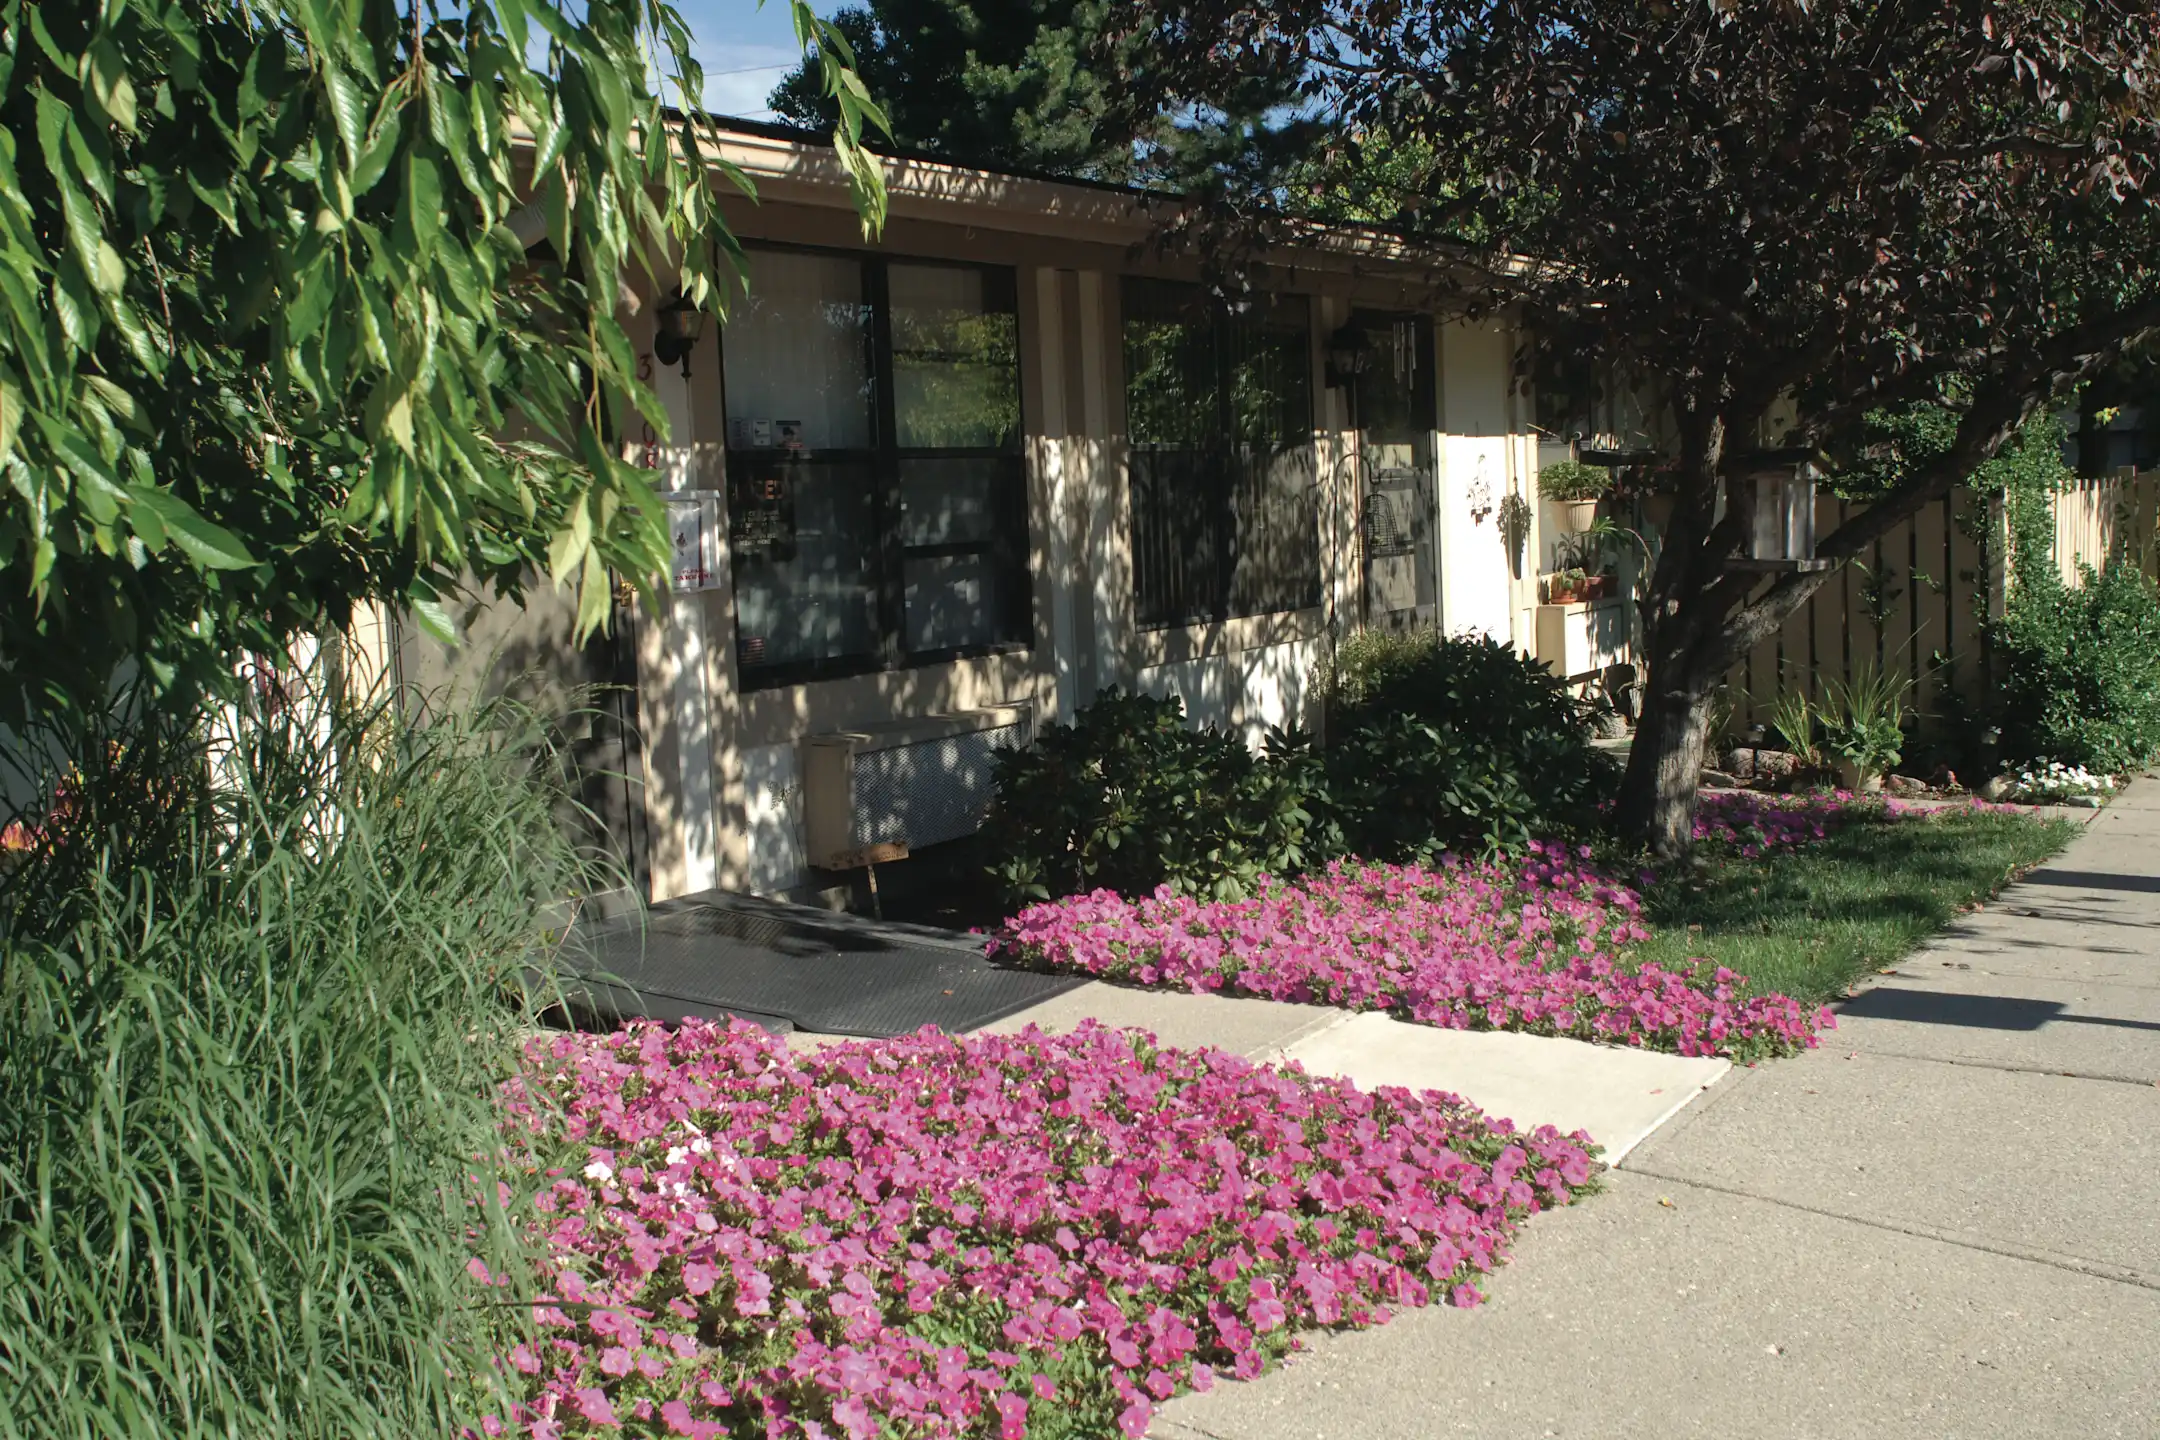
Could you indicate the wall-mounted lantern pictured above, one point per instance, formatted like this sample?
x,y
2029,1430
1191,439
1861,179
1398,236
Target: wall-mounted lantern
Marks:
x,y
1349,354
1782,483
676,329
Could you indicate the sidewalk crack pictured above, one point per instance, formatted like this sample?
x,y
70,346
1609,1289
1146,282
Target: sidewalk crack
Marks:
x,y
2076,1265
2011,1068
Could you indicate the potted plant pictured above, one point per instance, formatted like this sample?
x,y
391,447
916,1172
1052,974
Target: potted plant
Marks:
x,y
1575,489
1565,587
1863,726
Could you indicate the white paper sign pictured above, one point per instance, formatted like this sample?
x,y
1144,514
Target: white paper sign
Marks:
x,y
694,533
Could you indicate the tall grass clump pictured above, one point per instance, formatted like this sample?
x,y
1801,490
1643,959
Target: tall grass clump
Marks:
x,y
257,991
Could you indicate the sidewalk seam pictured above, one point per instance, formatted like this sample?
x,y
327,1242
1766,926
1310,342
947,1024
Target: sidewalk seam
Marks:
x,y
1277,1051
2141,1082
2076,1265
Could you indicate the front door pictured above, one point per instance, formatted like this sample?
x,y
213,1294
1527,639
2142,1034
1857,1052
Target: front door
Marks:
x,y
1394,419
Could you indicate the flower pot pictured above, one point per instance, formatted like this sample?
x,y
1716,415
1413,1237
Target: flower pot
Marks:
x,y
1575,516
1861,782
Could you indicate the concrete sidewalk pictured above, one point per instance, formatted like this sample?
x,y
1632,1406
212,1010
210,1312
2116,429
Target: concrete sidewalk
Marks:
x,y
1619,1096
1943,1223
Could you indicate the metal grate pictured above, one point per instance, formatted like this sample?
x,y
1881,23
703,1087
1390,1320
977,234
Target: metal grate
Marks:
x,y
921,794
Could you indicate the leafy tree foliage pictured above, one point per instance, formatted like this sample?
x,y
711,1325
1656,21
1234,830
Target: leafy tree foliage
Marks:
x,y
1848,206
309,301
997,83
1026,84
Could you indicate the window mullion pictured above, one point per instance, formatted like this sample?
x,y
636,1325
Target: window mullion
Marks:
x,y
885,475
1223,323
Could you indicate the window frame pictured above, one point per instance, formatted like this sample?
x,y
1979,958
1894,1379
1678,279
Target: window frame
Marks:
x,y
1223,458
1007,549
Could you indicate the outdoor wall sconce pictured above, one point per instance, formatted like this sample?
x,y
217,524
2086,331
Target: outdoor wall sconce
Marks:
x,y
1349,355
676,329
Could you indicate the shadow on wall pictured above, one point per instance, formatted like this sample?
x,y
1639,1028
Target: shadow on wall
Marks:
x,y
586,693
1246,692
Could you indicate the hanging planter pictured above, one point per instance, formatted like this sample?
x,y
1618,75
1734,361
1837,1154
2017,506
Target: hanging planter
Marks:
x,y
1514,528
1574,490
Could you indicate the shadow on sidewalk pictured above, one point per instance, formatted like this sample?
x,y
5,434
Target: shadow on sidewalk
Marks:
x,y
2095,880
1981,1012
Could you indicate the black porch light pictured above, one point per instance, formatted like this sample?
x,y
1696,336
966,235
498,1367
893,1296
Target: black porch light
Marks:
x,y
1349,354
676,330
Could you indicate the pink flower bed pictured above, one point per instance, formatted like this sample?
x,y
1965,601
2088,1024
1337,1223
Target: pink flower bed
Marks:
x,y
1754,823
1539,947
989,1235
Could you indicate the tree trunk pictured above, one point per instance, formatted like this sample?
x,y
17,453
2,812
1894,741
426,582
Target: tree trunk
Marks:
x,y
1672,741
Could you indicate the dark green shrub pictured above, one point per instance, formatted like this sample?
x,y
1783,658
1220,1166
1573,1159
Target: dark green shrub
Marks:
x,y
248,1070
2080,669
1443,743
1128,798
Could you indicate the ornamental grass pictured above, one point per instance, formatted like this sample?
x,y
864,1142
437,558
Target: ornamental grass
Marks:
x,y
1540,946
1027,1235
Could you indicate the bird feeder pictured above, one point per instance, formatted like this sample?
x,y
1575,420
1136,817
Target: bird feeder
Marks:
x,y
1782,484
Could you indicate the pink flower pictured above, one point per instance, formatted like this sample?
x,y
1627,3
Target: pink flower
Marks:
x,y
592,1403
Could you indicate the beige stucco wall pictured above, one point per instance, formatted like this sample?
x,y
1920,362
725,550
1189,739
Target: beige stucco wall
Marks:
x,y
721,765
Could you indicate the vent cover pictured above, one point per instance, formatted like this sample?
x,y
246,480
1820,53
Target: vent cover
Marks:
x,y
916,783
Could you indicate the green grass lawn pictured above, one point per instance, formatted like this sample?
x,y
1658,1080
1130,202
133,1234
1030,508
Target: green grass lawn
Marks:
x,y
1810,921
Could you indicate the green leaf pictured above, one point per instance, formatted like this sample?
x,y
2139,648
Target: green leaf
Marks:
x,y
347,110
106,72
570,545
11,413
382,148
433,617
101,492
211,546
423,198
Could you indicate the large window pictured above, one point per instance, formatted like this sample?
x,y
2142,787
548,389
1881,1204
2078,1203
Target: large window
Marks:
x,y
1225,495
876,497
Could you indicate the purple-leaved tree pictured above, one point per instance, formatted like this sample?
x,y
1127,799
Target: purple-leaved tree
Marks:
x,y
1845,207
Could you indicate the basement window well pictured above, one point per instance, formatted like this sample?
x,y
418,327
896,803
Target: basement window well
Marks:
x,y
877,501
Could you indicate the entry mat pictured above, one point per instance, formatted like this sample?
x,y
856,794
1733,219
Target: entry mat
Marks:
x,y
790,967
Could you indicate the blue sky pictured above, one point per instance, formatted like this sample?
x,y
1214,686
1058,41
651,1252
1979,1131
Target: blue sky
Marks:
x,y
745,50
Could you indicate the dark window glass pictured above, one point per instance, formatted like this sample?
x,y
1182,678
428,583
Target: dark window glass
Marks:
x,y
877,495
804,538
1225,495
1393,407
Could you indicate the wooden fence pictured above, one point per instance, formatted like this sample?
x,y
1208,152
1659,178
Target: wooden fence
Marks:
x,y
1914,602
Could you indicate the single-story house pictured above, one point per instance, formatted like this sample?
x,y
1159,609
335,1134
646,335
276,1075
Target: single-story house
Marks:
x,y
934,491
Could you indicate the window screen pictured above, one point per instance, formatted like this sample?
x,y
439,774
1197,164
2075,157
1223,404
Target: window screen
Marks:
x,y
1224,476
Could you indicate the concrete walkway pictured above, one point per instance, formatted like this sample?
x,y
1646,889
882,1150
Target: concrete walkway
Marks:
x,y
1943,1223
1618,1096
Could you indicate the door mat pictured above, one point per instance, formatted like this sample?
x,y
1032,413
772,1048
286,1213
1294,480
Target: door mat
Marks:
x,y
789,967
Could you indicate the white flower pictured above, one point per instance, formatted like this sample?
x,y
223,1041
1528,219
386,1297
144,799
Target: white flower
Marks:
x,y
600,1170
701,1146
677,1154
